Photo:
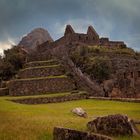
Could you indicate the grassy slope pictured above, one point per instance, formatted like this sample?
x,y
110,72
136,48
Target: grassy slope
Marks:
x,y
36,122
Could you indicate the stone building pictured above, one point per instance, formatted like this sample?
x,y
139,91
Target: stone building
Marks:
x,y
90,38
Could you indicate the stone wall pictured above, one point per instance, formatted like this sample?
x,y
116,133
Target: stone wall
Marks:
x,y
106,42
4,91
40,86
45,100
127,75
70,134
42,71
133,100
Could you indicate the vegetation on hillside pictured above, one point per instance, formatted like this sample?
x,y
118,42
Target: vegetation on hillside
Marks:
x,y
99,67
11,62
96,60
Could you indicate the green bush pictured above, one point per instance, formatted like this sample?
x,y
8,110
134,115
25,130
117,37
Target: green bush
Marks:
x,y
99,68
12,61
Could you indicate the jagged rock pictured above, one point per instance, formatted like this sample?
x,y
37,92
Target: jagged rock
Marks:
x,y
111,125
35,38
80,112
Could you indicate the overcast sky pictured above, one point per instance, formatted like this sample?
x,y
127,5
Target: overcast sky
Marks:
x,y
116,19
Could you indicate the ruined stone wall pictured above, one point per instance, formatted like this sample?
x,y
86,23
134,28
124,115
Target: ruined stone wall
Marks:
x,y
46,100
40,86
42,71
127,77
116,44
4,91
106,42
70,134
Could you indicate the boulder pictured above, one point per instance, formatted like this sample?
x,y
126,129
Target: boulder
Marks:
x,y
79,112
71,134
113,125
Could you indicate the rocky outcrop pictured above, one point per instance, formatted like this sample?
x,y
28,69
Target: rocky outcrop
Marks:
x,y
35,38
70,134
111,125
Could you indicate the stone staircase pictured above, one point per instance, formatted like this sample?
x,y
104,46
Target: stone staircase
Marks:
x,y
41,77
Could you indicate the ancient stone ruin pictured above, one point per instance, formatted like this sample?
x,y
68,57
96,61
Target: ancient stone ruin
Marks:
x,y
70,134
47,65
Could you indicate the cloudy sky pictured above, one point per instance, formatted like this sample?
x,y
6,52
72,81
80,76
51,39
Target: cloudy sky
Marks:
x,y
116,19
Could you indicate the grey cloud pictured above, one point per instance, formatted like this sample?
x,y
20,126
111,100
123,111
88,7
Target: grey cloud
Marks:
x,y
118,19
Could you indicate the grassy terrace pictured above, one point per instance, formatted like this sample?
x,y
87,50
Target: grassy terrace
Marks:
x,y
38,96
116,50
41,78
52,60
36,122
38,67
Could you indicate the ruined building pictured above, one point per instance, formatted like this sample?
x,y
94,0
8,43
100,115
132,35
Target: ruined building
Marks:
x,y
44,73
90,38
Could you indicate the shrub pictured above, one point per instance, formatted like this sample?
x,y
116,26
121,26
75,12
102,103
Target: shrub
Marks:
x,y
12,61
99,68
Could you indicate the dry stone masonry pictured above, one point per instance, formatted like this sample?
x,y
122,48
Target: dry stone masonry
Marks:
x,y
38,79
113,125
70,134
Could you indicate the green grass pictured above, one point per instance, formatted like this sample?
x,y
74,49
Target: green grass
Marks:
x,y
115,50
48,61
41,78
36,122
39,67
38,96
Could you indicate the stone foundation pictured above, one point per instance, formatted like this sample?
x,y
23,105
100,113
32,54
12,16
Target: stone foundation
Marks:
x,y
70,134
40,86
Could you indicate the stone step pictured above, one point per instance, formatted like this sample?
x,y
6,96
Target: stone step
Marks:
x,y
41,63
35,86
41,71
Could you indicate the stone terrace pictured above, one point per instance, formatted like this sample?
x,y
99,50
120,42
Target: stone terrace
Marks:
x,y
41,77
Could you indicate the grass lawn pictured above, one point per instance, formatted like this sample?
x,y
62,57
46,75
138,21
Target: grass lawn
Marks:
x,y
36,122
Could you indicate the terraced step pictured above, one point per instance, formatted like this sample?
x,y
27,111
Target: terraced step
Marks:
x,y
57,94
41,63
34,86
41,71
50,99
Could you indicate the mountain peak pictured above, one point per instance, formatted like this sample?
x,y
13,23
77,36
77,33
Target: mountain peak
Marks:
x,y
35,38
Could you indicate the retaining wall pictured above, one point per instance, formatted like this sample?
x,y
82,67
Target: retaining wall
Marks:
x,y
45,100
40,86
